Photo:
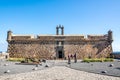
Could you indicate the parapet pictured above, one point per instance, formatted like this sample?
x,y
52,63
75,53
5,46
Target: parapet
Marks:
x,y
71,37
22,37
96,37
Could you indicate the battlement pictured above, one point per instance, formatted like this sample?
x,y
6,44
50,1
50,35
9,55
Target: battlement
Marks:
x,y
21,37
62,36
94,37
67,37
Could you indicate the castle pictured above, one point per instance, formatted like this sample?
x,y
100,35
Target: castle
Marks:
x,y
59,46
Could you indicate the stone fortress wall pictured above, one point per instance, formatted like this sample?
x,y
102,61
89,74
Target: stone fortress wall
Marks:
x,y
59,46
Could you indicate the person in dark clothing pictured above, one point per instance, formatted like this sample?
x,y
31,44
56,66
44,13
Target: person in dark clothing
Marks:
x,y
75,58
69,60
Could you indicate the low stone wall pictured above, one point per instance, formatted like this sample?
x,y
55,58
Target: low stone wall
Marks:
x,y
116,56
4,55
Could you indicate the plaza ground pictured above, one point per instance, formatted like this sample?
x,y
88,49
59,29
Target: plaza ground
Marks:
x,y
58,69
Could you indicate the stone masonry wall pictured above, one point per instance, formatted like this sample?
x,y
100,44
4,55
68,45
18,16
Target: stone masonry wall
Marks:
x,y
96,50
93,46
47,50
31,50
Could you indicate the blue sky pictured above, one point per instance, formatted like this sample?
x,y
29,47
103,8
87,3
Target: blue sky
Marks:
x,y
77,16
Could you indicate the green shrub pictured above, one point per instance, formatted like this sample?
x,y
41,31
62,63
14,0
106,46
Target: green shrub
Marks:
x,y
16,59
98,60
108,59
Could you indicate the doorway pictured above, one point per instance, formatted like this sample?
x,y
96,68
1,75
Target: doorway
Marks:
x,y
60,54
